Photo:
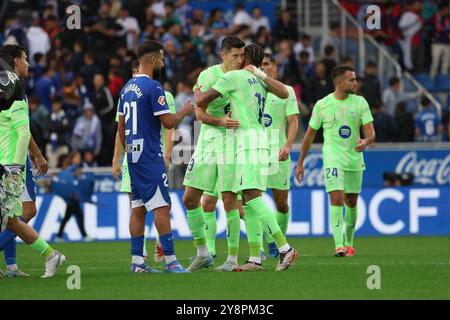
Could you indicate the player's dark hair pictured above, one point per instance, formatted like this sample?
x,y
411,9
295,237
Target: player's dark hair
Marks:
x,y
393,81
134,64
231,42
340,71
149,46
255,53
10,52
269,56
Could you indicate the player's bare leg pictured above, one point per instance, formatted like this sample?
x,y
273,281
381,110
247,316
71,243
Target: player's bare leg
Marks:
x,y
336,220
196,220
351,215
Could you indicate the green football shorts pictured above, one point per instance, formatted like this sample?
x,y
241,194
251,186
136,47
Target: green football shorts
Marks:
x,y
280,175
252,169
339,179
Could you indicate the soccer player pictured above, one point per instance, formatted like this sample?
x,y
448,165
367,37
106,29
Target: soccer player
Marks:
x,y
279,113
247,90
122,170
142,110
14,142
342,115
212,162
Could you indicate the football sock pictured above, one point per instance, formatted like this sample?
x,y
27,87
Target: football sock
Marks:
x,y
336,225
41,246
283,219
196,220
10,251
137,249
210,231
167,246
253,228
351,214
269,221
233,232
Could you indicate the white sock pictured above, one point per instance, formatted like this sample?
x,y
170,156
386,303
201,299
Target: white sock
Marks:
x,y
202,250
137,259
232,259
170,259
284,248
255,259
12,267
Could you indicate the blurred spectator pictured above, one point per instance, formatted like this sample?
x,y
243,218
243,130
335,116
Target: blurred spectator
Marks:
x,y
39,63
287,63
371,88
241,17
393,95
104,107
210,52
391,33
159,12
89,160
404,122
428,124
285,28
305,45
38,39
116,83
45,89
171,17
14,32
173,34
263,38
52,28
384,124
440,48
39,122
306,68
332,38
410,24
183,11
184,93
88,71
347,61
259,20
131,26
59,130
319,85
87,133
330,58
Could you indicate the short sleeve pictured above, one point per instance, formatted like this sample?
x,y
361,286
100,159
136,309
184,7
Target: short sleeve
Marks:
x,y
291,103
19,114
226,84
158,101
316,117
170,101
366,115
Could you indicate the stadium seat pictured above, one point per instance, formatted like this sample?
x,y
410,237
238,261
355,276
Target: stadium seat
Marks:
x,y
408,85
425,80
442,83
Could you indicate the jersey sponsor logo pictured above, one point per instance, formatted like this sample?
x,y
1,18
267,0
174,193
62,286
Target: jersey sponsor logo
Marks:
x,y
162,100
345,132
267,120
133,147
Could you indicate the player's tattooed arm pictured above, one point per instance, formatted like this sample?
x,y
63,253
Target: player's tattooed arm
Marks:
x,y
369,137
39,161
306,145
276,87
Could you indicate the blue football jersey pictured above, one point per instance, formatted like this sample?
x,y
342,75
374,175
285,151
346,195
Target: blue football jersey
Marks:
x,y
428,121
142,100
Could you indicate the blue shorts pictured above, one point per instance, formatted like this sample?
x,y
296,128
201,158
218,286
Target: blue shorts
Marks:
x,y
29,192
149,186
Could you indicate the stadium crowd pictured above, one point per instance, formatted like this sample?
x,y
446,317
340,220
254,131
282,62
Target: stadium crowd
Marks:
x,y
76,75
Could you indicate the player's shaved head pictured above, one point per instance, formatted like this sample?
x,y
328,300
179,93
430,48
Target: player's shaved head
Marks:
x,y
254,54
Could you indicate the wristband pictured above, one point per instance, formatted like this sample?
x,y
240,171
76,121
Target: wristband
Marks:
x,y
260,74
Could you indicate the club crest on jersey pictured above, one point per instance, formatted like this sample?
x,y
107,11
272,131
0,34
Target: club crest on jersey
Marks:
x,y
345,132
162,100
267,120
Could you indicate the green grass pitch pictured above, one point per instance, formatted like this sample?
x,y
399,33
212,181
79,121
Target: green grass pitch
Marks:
x,y
411,268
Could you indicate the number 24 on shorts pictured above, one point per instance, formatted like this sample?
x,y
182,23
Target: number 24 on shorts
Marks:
x,y
333,171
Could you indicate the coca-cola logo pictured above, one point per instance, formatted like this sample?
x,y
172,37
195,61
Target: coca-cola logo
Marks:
x,y
313,176
426,171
